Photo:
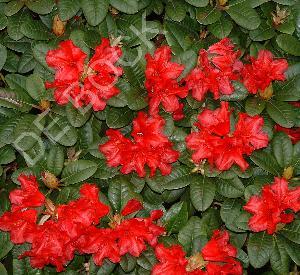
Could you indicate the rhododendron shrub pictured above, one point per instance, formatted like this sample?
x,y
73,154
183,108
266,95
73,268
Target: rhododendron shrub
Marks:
x,y
149,137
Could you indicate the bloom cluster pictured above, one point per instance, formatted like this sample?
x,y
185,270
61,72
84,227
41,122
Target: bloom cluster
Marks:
x,y
162,84
84,84
66,229
219,145
219,66
269,209
216,257
216,69
149,147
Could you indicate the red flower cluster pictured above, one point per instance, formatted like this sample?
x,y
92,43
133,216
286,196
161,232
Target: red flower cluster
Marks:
x,y
161,83
81,83
262,70
149,147
216,257
73,227
269,209
216,68
218,145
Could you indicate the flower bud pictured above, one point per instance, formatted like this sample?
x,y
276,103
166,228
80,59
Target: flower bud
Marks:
x,y
45,104
288,172
267,93
58,26
50,180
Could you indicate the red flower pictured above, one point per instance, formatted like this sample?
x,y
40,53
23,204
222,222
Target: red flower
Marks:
x,y
172,260
161,82
217,67
77,215
262,71
67,60
150,147
84,84
217,257
131,207
218,145
221,255
269,208
101,243
21,225
50,245
294,133
29,194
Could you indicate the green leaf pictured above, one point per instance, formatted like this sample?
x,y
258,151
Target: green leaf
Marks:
x,y
94,10
67,194
175,10
263,32
35,87
13,7
221,28
231,188
68,8
289,44
282,113
202,193
105,269
193,236
288,90
55,159
241,12
259,248
3,270
198,3
120,191
181,176
35,30
40,6
240,93
78,117
128,262
266,161
208,15
280,260
292,231
176,217
230,212
7,154
118,117
3,56
293,250
26,63
3,21
78,171
14,25
59,130
39,52
254,106
104,171
282,149
127,6
5,244
147,260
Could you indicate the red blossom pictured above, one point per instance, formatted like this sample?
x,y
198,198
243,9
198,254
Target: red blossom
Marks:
x,y
50,245
80,83
172,260
149,147
217,68
216,257
218,145
131,207
264,69
29,194
20,224
269,208
221,255
293,133
161,82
